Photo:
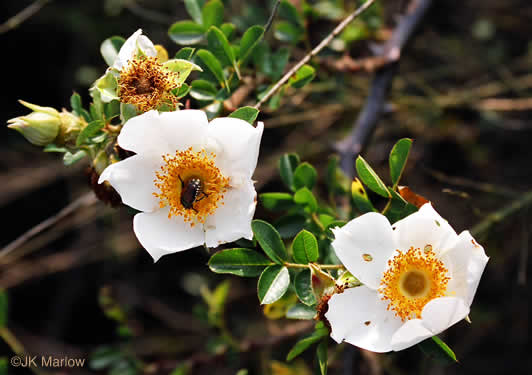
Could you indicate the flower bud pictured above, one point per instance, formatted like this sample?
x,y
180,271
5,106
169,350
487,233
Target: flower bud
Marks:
x,y
322,283
40,127
70,127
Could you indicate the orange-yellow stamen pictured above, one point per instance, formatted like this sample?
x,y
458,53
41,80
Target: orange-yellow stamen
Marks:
x,y
147,84
183,167
413,278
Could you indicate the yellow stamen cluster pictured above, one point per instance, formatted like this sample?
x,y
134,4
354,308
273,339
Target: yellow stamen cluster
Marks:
x,y
413,278
178,171
146,84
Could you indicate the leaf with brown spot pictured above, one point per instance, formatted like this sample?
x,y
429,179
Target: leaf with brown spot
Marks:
x,y
411,197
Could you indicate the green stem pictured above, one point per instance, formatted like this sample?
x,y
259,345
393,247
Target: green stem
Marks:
x,y
322,266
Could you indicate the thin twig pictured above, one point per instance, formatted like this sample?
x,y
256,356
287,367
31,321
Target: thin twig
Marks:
x,y
363,128
272,17
337,30
22,16
496,217
85,200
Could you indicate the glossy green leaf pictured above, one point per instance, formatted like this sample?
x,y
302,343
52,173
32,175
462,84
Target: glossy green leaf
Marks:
x,y
398,158
75,103
305,247
240,262
303,288
182,91
288,32
183,68
304,75
305,197
110,48
290,225
273,283
321,355
91,130
287,165
249,41
305,175
289,12
370,178
438,350
70,158
277,201
320,332
202,90
127,111
360,197
229,30
3,308
301,312
107,87
213,13
214,66
270,240
248,114
186,32
185,53
219,46
193,8
398,208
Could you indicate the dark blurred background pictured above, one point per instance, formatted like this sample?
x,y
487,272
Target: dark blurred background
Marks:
x,y
471,157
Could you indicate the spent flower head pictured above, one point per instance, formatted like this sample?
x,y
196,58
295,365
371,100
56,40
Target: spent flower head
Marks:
x,y
419,278
191,179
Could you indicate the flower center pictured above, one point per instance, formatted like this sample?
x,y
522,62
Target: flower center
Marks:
x,y
191,185
413,278
146,84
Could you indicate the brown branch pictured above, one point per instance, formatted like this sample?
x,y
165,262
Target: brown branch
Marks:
x,y
496,104
22,16
85,200
364,126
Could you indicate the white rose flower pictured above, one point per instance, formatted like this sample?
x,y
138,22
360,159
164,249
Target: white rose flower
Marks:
x,y
419,278
191,179
136,44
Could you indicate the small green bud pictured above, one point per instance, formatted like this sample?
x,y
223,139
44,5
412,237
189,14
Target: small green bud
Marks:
x,y
322,283
40,127
70,127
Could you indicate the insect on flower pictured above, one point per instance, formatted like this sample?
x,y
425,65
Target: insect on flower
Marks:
x,y
190,192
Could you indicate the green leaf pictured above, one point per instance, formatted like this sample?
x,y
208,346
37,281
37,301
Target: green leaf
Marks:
x,y
110,48
3,308
305,197
270,240
182,67
240,262
111,109
398,158
186,32
182,91
185,53
305,343
301,311
304,75
290,225
247,113
321,354
127,111
229,30
107,87
279,60
398,208
69,158
436,349
305,247
213,65
277,201
289,12
303,288
75,103
370,178
213,13
287,165
305,175
91,130
53,148
194,9
202,90
219,46
104,357
273,283
360,197
249,41
288,32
